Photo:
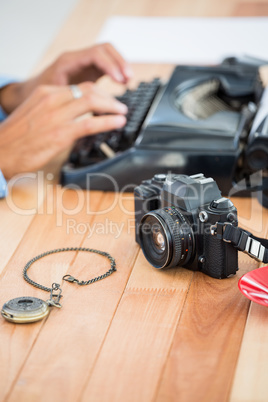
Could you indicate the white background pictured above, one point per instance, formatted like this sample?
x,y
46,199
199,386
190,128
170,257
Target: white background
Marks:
x,y
27,27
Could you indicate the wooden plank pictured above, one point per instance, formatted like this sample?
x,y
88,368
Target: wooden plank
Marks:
x,y
17,212
140,336
67,346
251,376
26,195
251,8
206,344
207,341
48,231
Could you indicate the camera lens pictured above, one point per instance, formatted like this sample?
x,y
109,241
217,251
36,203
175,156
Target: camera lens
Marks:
x,y
166,238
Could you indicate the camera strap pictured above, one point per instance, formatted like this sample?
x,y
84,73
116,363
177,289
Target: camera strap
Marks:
x,y
243,240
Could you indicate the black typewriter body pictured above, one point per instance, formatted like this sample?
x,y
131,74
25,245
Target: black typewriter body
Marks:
x,y
199,121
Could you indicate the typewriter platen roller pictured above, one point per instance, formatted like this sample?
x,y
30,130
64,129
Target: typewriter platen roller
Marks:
x,y
201,120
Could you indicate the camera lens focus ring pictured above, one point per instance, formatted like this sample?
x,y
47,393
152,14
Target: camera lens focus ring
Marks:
x,y
175,244
166,238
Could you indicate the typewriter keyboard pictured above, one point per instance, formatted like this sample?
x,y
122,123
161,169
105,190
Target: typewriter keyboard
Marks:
x,y
93,149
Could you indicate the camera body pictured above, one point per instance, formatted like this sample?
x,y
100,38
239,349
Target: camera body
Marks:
x,y
174,215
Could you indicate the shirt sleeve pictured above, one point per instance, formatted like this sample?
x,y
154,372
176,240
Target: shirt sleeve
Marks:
x,y
3,186
3,82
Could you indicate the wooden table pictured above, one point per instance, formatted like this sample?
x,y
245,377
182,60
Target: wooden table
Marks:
x,y
141,334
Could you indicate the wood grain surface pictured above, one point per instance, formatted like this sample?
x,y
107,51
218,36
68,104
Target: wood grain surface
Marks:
x,y
141,334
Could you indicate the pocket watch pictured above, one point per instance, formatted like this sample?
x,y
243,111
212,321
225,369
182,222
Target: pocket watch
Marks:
x,y
25,309
30,309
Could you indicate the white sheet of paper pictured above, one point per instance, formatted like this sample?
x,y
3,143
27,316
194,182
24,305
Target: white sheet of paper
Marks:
x,y
186,40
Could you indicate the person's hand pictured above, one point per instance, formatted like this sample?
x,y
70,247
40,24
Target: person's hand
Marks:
x,y
71,68
48,122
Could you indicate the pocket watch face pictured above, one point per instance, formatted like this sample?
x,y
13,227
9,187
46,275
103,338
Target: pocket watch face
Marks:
x,y
25,310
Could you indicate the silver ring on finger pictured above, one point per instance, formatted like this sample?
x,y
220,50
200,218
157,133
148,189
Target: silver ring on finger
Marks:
x,y
76,91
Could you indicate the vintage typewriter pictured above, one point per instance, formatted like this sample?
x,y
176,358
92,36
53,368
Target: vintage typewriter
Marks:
x,y
204,119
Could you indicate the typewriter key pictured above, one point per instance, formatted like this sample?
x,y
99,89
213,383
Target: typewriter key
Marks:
x,y
24,310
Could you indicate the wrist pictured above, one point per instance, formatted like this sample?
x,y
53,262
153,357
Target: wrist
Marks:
x,y
8,163
5,167
11,96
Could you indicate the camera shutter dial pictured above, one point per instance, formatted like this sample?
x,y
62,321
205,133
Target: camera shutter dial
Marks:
x,y
221,204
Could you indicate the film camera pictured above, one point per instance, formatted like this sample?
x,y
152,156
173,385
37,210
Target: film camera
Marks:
x,y
175,218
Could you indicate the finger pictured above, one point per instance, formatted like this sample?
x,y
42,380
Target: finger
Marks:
x,y
117,68
93,100
106,60
94,125
124,66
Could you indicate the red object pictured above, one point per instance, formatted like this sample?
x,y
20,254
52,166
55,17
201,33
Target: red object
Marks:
x,y
254,285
